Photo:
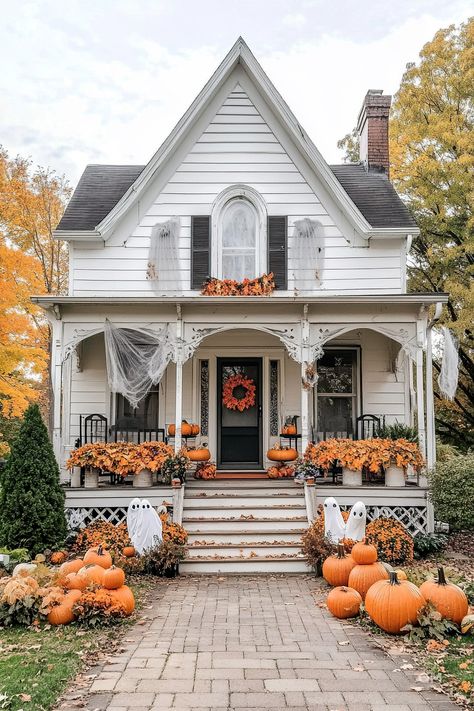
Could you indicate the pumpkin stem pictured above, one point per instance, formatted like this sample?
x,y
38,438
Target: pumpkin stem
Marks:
x,y
441,576
341,553
393,580
99,549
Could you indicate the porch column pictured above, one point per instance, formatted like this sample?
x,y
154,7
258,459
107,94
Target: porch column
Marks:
x,y
305,356
56,380
430,418
179,404
420,401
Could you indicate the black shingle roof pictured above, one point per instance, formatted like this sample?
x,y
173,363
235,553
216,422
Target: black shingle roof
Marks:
x,y
101,187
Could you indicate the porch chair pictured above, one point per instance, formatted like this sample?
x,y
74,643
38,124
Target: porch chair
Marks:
x,y
367,426
92,428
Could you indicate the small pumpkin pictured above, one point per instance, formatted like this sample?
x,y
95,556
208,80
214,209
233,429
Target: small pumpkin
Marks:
x,y
344,602
195,429
62,614
94,573
401,575
198,455
185,429
98,556
362,577
76,581
282,455
58,557
393,603
364,553
449,600
71,566
289,430
113,578
129,551
125,597
336,568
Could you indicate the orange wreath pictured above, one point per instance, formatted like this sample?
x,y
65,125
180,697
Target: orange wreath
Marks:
x,y
235,403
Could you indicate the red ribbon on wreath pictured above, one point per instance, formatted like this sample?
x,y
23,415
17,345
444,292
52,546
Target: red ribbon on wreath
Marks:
x,y
235,403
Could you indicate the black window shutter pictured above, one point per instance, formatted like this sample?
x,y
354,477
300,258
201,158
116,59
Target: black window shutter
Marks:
x,y
200,250
278,250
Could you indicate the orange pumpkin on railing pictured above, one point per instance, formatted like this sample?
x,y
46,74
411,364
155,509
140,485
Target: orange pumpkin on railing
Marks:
x,y
289,430
195,429
282,455
186,429
198,455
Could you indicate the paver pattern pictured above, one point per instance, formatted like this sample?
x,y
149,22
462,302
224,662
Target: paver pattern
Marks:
x,y
259,642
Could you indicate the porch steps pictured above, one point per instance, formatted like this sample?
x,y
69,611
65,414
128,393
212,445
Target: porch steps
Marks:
x,y
244,526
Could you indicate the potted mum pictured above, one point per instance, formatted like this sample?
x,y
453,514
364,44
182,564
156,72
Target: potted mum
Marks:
x,y
352,457
401,455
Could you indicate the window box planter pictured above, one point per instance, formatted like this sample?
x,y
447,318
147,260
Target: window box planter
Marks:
x,y
394,476
143,478
351,477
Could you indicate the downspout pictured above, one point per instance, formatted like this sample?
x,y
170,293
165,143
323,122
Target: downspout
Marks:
x,y
430,420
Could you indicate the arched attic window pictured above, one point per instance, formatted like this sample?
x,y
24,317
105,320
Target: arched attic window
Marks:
x,y
239,234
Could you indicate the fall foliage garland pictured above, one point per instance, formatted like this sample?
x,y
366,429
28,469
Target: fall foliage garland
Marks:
x,y
261,286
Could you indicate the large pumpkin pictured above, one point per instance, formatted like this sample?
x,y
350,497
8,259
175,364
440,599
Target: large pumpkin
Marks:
x,y
124,596
198,455
76,581
336,568
393,603
450,601
71,566
94,573
98,556
362,577
364,553
113,578
343,602
282,455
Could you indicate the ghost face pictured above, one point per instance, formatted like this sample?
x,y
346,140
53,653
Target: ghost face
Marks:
x,y
355,527
133,514
334,526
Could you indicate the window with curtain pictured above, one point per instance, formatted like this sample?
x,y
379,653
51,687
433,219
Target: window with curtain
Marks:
x,y
337,393
239,248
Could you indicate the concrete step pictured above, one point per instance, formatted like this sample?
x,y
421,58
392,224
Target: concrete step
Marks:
x,y
248,522
243,550
243,510
204,500
234,564
268,485
239,536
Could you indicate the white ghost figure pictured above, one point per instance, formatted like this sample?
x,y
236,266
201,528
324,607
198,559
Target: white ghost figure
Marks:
x,y
149,531
133,514
334,526
355,526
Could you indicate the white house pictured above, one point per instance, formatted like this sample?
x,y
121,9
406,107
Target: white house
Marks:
x,y
238,190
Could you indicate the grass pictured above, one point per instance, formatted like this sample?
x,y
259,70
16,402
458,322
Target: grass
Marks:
x,y
453,667
36,665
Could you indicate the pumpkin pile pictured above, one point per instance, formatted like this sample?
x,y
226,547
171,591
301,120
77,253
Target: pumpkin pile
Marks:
x,y
367,570
205,470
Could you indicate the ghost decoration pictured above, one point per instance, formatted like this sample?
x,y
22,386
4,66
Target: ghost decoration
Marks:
x,y
355,526
334,526
133,514
149,529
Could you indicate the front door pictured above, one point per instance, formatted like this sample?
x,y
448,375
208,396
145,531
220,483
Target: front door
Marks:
x,y
239,408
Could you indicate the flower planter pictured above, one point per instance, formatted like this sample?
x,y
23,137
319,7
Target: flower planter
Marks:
x,y
76,478
394,476
351,477
143,478
91,478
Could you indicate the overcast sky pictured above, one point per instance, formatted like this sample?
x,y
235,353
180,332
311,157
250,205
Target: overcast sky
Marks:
x,y
104,81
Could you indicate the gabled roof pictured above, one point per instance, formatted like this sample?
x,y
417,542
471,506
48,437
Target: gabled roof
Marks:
x,y
329,185
102,186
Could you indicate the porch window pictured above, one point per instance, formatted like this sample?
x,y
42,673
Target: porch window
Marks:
x,y
337,393
144,416
239,241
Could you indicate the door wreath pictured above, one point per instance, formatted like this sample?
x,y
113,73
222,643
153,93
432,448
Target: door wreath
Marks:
x,y
235,403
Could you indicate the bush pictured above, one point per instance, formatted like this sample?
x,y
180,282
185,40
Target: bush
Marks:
x,y
31,498
429,544
163,559
398,430
452,492
393,542
115,538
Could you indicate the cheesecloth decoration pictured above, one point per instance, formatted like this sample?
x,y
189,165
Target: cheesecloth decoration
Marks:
x,y
449,374
308,243
136,359
163,258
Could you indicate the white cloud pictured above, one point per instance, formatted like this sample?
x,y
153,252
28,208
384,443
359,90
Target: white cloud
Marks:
x,y
296,20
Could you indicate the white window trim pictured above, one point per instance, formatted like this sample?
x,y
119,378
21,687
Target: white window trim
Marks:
x,y
236,192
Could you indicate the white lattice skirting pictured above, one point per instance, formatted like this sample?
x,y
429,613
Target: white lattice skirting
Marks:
x,y
82,517
414,518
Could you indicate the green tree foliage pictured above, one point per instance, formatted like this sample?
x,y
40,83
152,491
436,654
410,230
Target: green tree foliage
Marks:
x,y
452,492
31,498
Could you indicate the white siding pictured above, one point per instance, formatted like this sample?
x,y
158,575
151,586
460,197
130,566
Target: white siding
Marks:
x,y
238,146
88,386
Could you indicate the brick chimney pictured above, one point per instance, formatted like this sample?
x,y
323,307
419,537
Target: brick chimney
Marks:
x,y
372,126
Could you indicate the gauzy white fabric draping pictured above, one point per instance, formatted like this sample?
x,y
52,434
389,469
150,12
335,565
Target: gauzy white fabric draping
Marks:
x,y
239,241
136,359
163,258
334,525
308,250
449,374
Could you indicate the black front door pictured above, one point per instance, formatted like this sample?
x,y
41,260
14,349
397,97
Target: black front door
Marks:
x,y
239,410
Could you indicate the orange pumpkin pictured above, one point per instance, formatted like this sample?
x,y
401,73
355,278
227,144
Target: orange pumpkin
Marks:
x,y
393,603
71,566
98,556
364,553
94,573
336,568
198,455
128,551
344,602
449,600
362,577
185,429
76,581
282,455
62,614
124,596
58,557
113,578
195,429
289,430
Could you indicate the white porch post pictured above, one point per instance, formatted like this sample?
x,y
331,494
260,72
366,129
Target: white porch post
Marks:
x,y
56,380
430,419
304,392
179,380
420,401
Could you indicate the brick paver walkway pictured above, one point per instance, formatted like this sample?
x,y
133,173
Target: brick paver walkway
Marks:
x,y
252,643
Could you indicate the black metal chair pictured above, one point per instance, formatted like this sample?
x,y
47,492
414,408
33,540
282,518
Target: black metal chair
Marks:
x,y
367,426
92,428
153,434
